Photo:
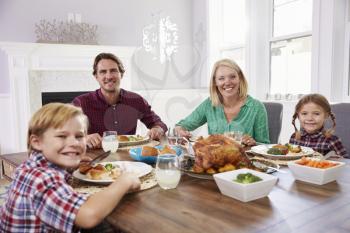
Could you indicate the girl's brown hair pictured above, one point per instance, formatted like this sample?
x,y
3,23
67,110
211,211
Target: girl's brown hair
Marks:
x,y
53,115
215,96
319,100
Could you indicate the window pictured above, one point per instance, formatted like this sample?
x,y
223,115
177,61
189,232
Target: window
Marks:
x,y
234,31
228,33
290,47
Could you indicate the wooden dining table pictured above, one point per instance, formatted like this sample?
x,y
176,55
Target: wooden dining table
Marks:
x,y
197,205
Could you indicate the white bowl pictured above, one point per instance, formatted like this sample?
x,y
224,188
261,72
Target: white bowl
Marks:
x,y
314,175
244,192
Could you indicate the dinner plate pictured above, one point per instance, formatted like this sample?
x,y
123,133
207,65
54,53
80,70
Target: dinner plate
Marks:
x,y
139,168
144,140
262,150
188,162
135,153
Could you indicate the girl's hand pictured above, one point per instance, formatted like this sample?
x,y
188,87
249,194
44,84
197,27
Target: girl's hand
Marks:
x,y
248,140
181,132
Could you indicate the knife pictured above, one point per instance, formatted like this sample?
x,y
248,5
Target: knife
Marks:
x,y
100,157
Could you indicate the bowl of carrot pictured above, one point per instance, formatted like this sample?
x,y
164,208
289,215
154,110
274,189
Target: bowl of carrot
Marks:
x,y
316,171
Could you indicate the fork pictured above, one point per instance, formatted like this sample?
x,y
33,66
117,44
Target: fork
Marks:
x,y
190,150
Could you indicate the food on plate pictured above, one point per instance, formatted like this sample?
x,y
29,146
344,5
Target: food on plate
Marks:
x,y
123,138
218,151
167,150
84,167
149,151
293,148
316,163
130,138
107,172
227,167
278,149
247,178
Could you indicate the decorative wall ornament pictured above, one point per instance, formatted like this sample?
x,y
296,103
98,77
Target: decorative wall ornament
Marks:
x,y
161,39
62,32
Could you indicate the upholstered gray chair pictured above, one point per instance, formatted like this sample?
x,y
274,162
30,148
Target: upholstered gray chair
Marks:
x,y
274,115
342,118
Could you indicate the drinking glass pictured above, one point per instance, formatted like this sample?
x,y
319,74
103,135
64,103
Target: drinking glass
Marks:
x,y
235,135
168,173
110,141
172,137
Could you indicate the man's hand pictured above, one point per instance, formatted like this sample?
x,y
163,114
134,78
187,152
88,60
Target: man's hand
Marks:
x,y
156,132
93,141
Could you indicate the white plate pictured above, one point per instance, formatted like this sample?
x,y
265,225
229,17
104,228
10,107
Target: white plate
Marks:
x,y
139,168
262,150
134,143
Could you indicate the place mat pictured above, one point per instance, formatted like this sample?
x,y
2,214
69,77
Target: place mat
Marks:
x,y
148,181
149,143
277,161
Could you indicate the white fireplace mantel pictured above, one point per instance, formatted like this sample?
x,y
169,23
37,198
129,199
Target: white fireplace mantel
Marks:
x,y
26,58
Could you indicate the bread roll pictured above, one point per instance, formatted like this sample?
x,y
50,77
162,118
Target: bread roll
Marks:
x,y
97,173
167,150
149,151
123,138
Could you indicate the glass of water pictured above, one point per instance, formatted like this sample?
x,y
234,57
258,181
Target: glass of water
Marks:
x,y
168,173
110,141
235,135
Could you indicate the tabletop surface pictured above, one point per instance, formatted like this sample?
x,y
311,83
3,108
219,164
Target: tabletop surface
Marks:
x,y
197,205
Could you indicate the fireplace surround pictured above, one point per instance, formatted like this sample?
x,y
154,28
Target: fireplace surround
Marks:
x,y
35,68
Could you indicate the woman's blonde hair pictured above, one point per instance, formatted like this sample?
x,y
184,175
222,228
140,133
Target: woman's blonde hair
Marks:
x,y
53,115
215,95
319,100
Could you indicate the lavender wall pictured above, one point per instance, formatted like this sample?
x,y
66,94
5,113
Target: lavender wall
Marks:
x,y
121,23
4,81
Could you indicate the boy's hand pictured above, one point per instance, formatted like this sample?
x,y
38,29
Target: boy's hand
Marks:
x,y
132,180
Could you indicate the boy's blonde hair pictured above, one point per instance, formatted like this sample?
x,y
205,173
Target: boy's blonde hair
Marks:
x,y
319,100
215,95
53,115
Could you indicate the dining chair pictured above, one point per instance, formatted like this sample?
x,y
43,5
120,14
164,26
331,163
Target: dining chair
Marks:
x,y
274,117
342,118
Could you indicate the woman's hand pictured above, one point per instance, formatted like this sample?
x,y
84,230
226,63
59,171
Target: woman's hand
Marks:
x,y
248,140
181,132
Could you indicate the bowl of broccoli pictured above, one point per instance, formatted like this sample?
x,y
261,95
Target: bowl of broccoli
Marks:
x,y
245,184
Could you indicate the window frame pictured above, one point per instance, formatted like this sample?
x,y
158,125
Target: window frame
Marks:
x,y
330,53
346,90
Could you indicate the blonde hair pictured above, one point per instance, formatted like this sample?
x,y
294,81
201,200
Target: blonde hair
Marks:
x,y
319,100
215,95
53,115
